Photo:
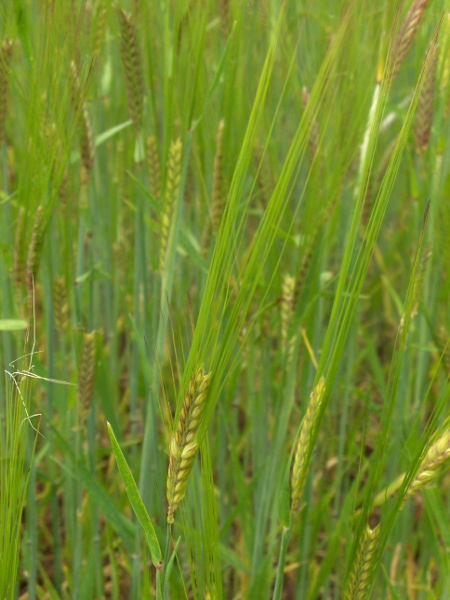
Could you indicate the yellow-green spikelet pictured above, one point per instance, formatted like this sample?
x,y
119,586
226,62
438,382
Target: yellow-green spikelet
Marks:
x,y
304,445
184,443
170,196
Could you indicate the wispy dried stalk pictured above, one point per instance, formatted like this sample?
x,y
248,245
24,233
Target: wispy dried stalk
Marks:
x,y
84,127
133,70
361,573
305,445
170,196
154,167
406,34
86,375
6,51
213,222
424,115
430,467
184,442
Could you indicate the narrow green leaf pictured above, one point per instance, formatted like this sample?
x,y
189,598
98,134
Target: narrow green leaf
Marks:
x,y
12,324
136,501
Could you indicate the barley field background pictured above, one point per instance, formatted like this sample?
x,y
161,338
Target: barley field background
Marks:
x,y
224,299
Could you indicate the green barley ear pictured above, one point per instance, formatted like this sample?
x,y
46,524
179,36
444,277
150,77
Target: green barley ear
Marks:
x,y
424,115
154,167
84,127
34,255
304,445
184,442
431,466
264,177
218,203
314,136
443,68
98,29
134,80
60,304
19,250
287,290
6,51
218,191
170,196
406,34
360,576
224,12
86,375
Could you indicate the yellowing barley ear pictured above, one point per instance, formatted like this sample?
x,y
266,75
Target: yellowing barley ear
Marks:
x,y
6,51
184,442
170,196
218,197
424,114
305,445
406,34
154,167
86,375
84,128
431,466
134,80
360,576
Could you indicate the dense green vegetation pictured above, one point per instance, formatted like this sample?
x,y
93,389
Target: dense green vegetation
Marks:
x,y
225,232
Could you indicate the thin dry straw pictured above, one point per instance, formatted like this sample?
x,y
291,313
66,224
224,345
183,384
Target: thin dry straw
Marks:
x,y
84,127
133,71
406,34
361,573
424,115
170,195
6,51
184,442
213,222
154,167
304,445
86,375
431,466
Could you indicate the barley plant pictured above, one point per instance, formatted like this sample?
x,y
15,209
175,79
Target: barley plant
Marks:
x,y
224,299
